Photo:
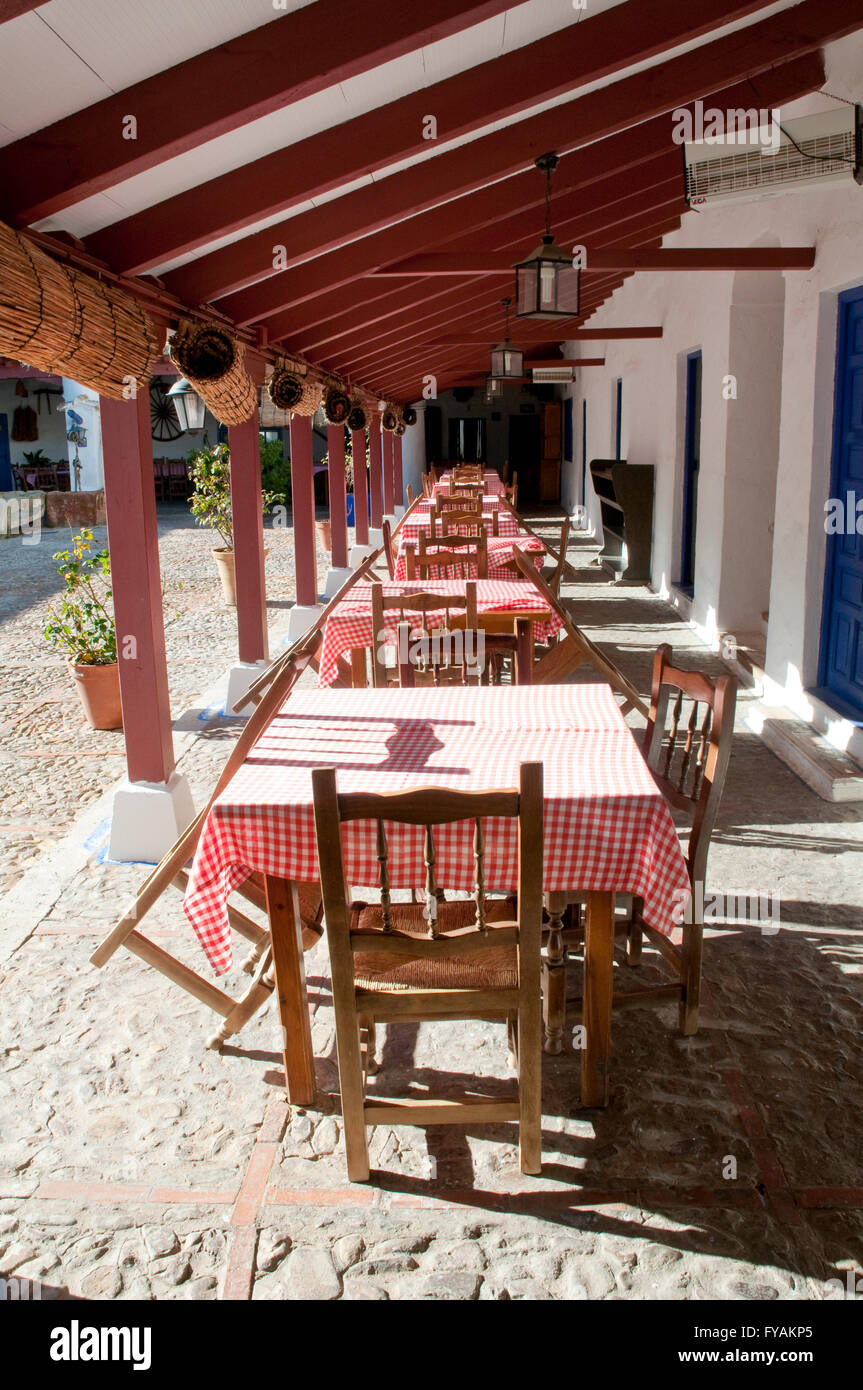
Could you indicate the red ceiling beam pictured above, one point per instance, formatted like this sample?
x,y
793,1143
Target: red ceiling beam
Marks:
x,y
703,258
10,9
637,98
596,47
415,328
614,198
216,92
600,175
627,152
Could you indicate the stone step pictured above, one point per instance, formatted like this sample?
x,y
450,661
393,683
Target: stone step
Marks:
x,y
830,773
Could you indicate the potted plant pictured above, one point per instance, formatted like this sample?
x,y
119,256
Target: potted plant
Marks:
x,y
210,472
82,626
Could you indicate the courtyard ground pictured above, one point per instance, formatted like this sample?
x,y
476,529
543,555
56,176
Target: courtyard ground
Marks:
x,y
134,1163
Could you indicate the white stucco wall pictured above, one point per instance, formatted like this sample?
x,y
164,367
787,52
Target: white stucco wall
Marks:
x,y
765,456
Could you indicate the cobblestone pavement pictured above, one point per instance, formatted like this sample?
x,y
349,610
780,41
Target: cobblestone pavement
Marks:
x,y
134,1163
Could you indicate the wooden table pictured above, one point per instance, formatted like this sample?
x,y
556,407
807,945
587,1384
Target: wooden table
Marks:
x,y
606,826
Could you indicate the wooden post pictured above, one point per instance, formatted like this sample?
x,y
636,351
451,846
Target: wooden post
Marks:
x,y
303,506
244,441
376,471
361,486
338,503
133,542
398,483
389,500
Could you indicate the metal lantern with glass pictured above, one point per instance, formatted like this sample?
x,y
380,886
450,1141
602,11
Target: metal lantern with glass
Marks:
x,y
506,360
188,405
547,283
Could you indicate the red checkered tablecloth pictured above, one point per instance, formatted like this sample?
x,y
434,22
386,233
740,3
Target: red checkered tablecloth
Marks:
x,y
350,623
606,826
500,549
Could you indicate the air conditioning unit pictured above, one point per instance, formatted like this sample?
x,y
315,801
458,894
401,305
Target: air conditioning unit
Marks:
x,y
810,152
551,376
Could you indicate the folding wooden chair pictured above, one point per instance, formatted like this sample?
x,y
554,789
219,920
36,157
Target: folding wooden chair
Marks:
x,y
389,554
474,523
437,961
552,573
463,604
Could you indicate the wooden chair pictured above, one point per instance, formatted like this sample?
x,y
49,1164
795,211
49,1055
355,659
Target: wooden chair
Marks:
x,y
179,484
443,504
389,554
440,663
687,751
552,573
452,554
160,476
422,603
437,961
452,522
511,490
410,495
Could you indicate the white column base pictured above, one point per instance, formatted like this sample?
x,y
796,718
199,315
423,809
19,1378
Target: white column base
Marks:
x,y
148,817
376,537
335,579
240,676
300,619
360,553
399,512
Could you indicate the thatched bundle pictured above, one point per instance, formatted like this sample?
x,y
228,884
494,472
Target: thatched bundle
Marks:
x,y
290,391
409,415
337,405
214,363
390,417
359,414
69,323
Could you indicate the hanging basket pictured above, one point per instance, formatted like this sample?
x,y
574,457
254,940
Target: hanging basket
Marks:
x,y
337,405
409,415
359,415
71,324
214,364
390,417
289,391
310,399
400,429
271,417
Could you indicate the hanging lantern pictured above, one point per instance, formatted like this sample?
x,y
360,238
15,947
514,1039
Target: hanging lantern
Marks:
x,y
506,360
188,405
493,389
547,283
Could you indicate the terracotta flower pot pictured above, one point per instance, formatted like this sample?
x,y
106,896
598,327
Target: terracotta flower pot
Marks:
x,y
325,533
225,564
98,690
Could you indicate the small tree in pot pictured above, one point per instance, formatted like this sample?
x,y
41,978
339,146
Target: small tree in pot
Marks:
x,y
82,627
210,472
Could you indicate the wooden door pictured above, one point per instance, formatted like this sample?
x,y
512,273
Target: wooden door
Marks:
x,y
549,482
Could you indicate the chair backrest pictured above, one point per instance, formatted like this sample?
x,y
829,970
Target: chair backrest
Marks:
x,y
420,605
688,751
471,523
388,548
555,579
452,553
410,495
473,507
427,808
428,484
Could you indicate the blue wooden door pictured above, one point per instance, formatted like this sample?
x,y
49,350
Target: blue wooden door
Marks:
x,y
842,620
6,483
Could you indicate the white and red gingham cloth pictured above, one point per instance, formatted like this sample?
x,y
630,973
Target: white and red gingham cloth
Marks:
x,y
492,483
606,825
499,549
350,623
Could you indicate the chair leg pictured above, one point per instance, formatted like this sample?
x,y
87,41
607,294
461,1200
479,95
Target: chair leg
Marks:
x,y
512,1040
258,993
368,1035
692,952
554,979
528,1029
351,1086
634,934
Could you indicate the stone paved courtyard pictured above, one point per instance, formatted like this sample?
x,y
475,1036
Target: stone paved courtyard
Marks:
x,y
134,1163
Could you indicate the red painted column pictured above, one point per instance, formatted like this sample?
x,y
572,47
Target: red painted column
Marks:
x,y
376,471
244,441
133,542
398,483
338,503
387,440
303,509
361,487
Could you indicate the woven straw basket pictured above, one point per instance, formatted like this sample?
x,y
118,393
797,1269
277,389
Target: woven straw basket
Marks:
x,y
214,363
65,322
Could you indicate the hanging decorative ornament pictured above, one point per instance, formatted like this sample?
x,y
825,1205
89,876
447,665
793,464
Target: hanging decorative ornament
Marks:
x,y
359,414
409,415
337,405
390,417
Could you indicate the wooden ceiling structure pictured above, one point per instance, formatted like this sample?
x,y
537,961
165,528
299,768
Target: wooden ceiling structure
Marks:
x,y
222,182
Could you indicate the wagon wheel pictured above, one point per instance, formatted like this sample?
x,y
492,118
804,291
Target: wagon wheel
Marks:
x,y
164,424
